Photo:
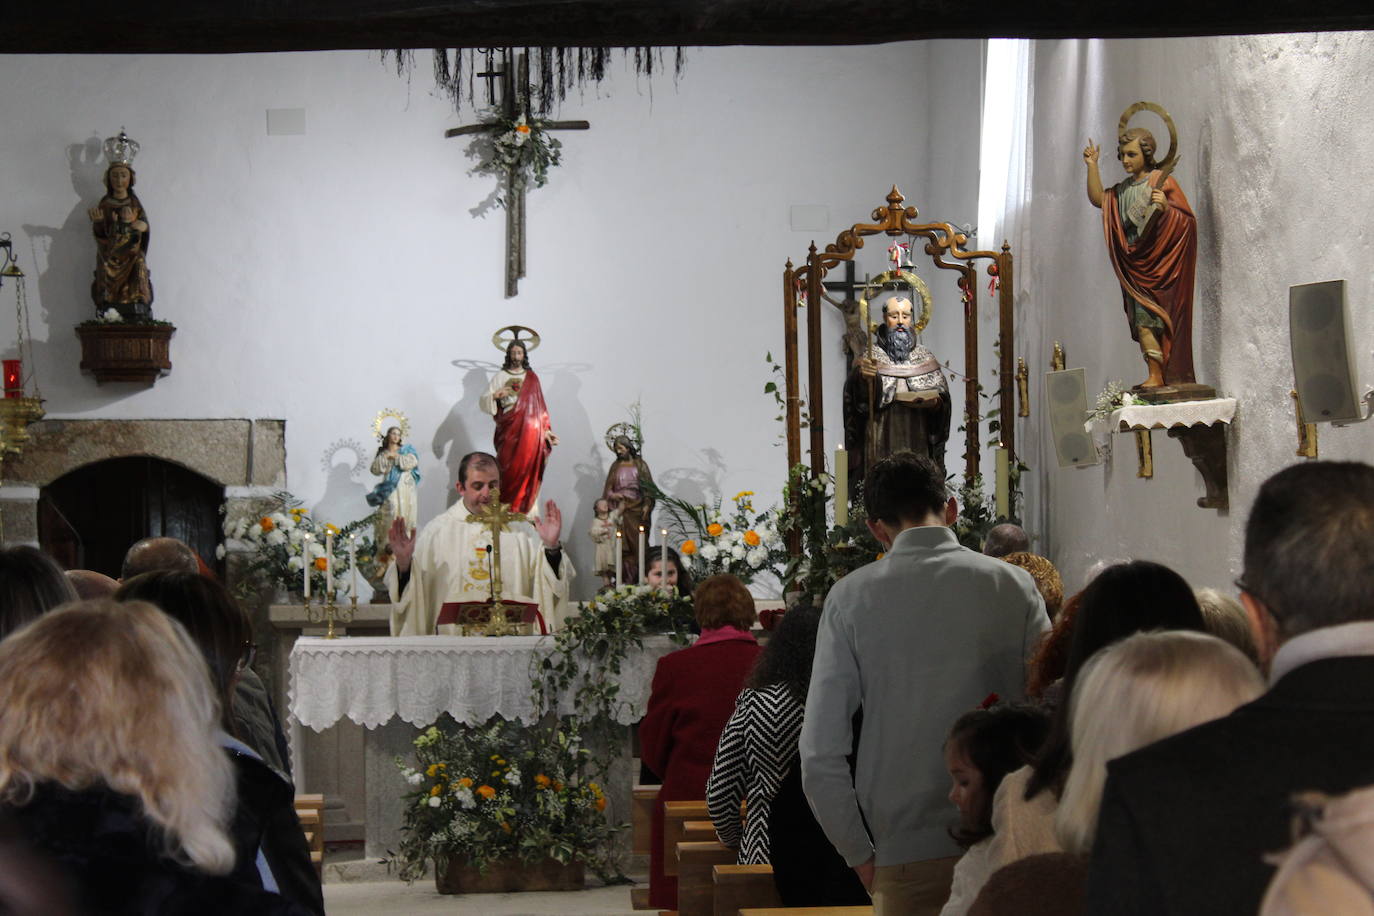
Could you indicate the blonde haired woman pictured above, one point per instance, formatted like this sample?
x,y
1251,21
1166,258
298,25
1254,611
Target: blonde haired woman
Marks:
x,y
109,763
1141,690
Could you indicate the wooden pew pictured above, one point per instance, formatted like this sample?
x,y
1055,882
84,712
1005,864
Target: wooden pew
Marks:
x,y
698,831
675,814
643,799
741,886
696,862
310,810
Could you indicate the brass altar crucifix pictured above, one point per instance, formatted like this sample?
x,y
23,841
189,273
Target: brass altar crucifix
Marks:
x,y
515,100
497,517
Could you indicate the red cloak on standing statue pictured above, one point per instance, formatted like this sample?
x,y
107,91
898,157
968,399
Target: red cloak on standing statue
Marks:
x,y
522,446
1156,272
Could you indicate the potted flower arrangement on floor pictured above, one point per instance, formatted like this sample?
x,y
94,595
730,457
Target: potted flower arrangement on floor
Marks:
x,y
503,807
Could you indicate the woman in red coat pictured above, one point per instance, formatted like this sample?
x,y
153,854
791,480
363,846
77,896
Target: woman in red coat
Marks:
x,y
693,695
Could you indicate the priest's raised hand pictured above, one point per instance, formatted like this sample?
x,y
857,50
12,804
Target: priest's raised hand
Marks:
x,y
550,526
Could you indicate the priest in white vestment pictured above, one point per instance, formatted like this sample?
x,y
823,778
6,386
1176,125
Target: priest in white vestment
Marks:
x,y
449,562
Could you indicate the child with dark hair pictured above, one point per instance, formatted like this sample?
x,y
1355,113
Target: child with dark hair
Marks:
x,y
983,746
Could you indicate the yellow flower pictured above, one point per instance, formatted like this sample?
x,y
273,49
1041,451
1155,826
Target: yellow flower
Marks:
x,y
434,768
331,529
596,790
465,782
714,529
688,548
495,756
751,537
486,791
880,556
266,523
321,564
742,494
436,790
299,511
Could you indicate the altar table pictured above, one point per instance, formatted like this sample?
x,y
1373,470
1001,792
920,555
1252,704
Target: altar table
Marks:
x,y
397,686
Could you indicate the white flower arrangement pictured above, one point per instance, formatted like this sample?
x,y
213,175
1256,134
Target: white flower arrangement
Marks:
x,y
277,540
744,543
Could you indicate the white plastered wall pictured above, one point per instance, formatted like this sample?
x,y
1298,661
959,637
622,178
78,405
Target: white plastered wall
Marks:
x,y
1272,129
323,276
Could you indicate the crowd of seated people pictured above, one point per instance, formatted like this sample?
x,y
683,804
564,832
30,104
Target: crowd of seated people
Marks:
x,y
142,765
1165,748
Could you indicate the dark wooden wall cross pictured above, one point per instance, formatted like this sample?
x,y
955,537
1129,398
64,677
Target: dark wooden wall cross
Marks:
x,y
515,100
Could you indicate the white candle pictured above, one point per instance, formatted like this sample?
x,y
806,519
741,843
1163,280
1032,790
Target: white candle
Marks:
x,y
353,561
305,563
328,563
663,558
641,555
619,555
841,487
1003,482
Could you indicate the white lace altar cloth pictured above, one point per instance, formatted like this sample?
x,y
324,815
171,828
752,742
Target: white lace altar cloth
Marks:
x,y
371,679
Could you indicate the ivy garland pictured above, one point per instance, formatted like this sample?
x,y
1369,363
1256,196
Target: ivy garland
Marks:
x,y
590,651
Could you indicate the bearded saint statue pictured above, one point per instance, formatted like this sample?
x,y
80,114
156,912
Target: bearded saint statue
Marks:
x,y
904,384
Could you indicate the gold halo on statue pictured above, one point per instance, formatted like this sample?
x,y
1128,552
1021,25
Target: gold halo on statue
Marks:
x,y
379,429
629,431
530,342
1168,160
875,286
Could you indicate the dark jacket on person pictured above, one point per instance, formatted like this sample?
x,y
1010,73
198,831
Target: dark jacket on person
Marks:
x,y
265,819
1186,823
257,724
111,860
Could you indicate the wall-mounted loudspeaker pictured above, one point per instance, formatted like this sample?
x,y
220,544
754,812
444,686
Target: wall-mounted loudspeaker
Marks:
x,y
1323,363
1068,409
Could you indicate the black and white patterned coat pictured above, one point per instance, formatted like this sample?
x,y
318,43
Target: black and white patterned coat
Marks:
x,y
757,750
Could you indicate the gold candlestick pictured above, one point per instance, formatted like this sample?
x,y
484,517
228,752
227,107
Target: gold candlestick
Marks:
x,y
329,612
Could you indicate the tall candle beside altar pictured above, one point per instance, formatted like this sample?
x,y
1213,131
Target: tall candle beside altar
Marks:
x,y
619,556
642,570
841,487
353,562
328,563
663,558
305,563
1003,482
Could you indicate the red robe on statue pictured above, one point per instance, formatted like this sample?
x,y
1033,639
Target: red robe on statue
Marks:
x,y
522,448
1157,272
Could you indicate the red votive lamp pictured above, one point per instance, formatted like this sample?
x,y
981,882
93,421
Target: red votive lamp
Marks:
x,y
14,378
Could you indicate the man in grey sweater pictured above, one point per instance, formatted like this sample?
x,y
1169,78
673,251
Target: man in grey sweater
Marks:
x,y
913,641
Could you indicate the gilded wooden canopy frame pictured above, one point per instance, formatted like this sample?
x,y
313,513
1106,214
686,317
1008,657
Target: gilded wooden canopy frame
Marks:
x,y
944,245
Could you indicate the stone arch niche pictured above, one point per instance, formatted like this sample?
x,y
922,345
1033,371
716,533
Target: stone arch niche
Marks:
x,y
247,458
88,517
